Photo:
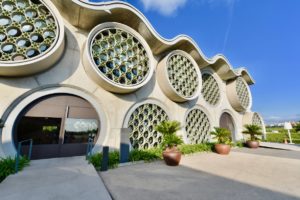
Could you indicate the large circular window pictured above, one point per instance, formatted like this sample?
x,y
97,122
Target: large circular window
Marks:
x,y
197,126
179,76
242,92
239,94
142,124
210,89
28,30
257,120
120,57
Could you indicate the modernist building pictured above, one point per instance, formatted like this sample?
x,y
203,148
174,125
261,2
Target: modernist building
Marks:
x,y
70,70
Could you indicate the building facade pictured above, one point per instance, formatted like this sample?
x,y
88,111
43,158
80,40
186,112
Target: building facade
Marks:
x,y
73,70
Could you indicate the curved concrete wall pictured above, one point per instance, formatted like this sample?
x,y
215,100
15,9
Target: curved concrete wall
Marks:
x,y
70,76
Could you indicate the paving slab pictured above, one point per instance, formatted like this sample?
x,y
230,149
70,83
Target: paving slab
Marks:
x,y
55,179
208,176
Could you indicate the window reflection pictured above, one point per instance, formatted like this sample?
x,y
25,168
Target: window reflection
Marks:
x,y
42,130
79,130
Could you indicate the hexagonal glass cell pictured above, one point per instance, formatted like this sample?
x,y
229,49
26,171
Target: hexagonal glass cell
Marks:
x,y
142,134
18,57
197,126
22,3
13,31
43,47
39,24
29,25
8,6
18,17
31,13
210,89
114,49
5,21
182,75
242,92
23,43
49,34
32,53
3,37
8,48
37,38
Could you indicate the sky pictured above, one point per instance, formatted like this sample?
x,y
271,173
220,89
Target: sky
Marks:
x,y
263,36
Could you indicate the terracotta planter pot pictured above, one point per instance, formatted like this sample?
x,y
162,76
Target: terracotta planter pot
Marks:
x,y
172,156
222,149
252,144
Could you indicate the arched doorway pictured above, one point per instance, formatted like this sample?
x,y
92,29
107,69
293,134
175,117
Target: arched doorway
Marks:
x,y
59,125
226,121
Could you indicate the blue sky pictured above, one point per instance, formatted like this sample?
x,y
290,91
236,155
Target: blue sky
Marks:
x,y
263,36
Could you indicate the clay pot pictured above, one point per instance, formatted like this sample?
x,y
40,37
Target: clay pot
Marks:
x,y
252,144
222,149
172,156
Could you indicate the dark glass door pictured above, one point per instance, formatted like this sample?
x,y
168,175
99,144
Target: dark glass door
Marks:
x,y
45,134
59,126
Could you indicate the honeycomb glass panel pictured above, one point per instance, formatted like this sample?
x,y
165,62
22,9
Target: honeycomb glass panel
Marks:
x,y
120,57
242,92
142,124
197,126
210,89
23,29
256,120
182,75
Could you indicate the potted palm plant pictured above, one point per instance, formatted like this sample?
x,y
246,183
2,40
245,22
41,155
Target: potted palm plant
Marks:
x,y
168,129
223,137
253,131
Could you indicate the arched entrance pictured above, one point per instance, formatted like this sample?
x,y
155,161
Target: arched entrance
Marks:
x,y
226,121
59,125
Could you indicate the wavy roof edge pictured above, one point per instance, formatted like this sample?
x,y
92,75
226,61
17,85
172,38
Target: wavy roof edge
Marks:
x,y
86,15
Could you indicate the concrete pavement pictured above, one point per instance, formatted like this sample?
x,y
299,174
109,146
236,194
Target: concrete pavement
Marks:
x,y
274,145
241,175
55,179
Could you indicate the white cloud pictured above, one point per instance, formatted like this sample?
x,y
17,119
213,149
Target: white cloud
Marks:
x,y
165,7
220,2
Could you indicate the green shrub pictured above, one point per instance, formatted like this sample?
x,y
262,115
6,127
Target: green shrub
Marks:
x,y
7,166
146,155
195,148
239,144
113,160
279,137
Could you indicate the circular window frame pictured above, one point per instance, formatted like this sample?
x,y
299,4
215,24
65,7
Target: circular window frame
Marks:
x,y
98,76
7,138
218,80
206,112
233,97
165,83
46,59
137,105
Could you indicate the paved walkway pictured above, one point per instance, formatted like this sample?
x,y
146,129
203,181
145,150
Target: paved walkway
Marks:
x,y
60,178
241,175
291,147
